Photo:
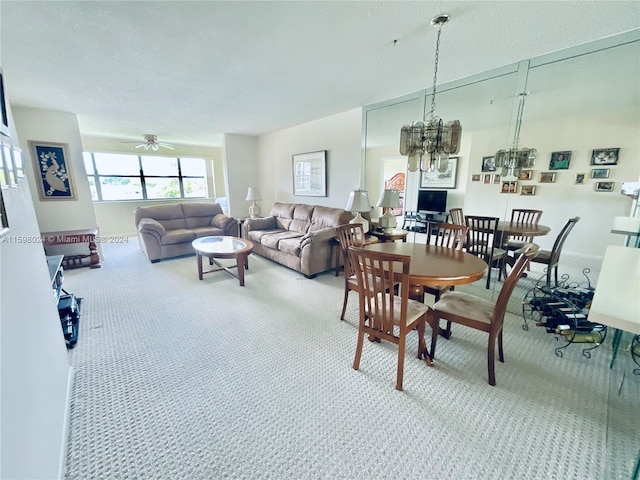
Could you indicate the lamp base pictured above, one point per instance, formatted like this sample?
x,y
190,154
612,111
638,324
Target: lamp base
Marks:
x,y
387,221
254,210
363,221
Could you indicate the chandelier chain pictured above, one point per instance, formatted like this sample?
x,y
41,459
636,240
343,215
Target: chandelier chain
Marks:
x,y
435,75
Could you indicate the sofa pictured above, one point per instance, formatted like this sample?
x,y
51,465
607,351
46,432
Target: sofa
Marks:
x,y
298,236
166,231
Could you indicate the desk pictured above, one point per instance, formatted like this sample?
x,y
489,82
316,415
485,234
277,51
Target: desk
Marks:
x,y
629,226
433,266
75,236
615,301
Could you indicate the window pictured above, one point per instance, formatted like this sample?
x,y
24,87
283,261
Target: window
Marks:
x,y
117,176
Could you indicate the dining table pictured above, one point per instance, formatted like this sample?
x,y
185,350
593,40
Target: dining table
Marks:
x,y
507,228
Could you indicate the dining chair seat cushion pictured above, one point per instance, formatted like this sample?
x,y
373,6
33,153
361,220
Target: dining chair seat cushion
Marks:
x,y
515,245
543,256
465,305
415,309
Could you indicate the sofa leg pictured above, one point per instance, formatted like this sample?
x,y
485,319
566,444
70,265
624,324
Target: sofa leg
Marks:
x,y
155,261
311,276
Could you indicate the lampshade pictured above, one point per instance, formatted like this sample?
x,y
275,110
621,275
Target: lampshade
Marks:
x,y
389,199
359,202
253,194
428,145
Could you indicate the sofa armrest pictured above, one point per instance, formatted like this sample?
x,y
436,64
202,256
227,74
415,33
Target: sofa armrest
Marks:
x,y
318,236
150,225
265,223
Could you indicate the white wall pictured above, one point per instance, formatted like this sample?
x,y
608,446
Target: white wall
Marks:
x,y
240,153
340,135
35,372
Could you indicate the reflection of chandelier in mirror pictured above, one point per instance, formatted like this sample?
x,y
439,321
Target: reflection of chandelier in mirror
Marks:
x,y
515,159
429,145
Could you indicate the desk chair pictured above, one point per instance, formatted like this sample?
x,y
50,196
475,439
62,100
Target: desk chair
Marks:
x,y
384,313
481,314
551,258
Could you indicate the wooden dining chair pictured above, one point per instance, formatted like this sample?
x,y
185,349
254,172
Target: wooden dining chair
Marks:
x,y
551,258
348,235
481,314
483,242
387,314
457,216
524,216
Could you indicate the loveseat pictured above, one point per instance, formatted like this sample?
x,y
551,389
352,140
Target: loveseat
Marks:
x,y
166,231
298,236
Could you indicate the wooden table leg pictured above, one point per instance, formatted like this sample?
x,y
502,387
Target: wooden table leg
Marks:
x,y
199,261
242,263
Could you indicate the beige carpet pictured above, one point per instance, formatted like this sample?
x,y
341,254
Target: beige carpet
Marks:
x,y
177,378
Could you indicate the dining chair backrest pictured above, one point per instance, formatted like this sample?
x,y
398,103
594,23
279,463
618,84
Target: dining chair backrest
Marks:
x,y
457,216
350,234
480,235
527,217
446,235
560,239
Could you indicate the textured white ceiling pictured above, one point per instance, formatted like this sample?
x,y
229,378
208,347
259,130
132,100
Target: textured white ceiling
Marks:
x,y
190,71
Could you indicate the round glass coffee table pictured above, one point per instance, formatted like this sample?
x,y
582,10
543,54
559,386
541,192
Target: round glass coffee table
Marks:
x,y
223,247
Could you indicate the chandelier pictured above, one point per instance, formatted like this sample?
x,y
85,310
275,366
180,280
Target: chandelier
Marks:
x,y
514,159
429,144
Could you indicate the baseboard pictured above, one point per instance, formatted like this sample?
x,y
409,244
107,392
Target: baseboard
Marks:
x,y
62,462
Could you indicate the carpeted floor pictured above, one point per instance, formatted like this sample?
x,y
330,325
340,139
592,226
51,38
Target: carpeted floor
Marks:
x,y
177,378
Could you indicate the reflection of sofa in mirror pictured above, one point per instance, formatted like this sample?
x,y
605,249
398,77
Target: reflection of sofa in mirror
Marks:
x,y
166,231
298,236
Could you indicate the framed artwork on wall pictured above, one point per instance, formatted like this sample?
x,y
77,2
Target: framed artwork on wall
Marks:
x,y
52,167
509,187
600,173
488,164
486,178
525,175
438,179
547,177
580,177
528,190
475,177
604,186
605,156
559,160
310,174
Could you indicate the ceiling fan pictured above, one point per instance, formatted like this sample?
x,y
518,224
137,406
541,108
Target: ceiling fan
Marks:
x,y
151,143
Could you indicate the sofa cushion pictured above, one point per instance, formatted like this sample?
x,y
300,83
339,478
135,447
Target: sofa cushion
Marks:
x,y
199,214
256,235
169,215
323,217
207,232
273,240
179,235
290,245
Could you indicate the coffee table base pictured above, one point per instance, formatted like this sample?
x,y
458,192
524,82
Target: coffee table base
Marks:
x,y
242,264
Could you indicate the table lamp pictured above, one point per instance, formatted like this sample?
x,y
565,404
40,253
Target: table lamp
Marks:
x,y
389,199
359,202
252,196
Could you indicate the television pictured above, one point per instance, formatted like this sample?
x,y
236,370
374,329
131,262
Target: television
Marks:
x,y
432,201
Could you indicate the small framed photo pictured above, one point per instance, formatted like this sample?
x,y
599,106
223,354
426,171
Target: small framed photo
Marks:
x,y
496,179
605,156
604,186
600,173
486,179
559,160
547,177
475,177
488,164
580,177
528,190
525,175
509,187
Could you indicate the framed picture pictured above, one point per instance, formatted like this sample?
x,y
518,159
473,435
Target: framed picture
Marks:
x,y
600,173
509,187
525,174
580,177
52,167
4,117
605,156
475,177
559,160
488,164
486,178
547,177
496,179
310,174
604,186
4,222
438,179
528,190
